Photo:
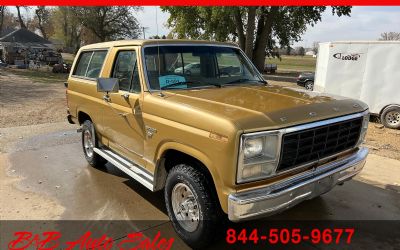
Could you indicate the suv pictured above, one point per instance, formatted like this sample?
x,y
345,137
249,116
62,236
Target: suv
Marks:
x,y
220,142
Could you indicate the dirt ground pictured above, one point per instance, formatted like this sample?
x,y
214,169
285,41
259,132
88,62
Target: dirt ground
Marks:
x,y
24,101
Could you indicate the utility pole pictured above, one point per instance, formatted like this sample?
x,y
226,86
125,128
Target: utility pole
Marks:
x,y
144,32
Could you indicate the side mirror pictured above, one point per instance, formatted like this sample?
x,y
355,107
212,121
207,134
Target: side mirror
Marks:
x,y
107,85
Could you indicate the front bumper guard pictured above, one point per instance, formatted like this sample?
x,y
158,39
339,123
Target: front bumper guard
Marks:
x,y
280,196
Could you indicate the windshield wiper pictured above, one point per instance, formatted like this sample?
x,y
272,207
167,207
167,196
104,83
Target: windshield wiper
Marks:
x,y
186,82
242,80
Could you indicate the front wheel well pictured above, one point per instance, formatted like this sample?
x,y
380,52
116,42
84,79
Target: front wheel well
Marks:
x,y
82,117
171,158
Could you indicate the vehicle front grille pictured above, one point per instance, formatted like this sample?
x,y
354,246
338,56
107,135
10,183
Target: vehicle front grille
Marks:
x,y
310,145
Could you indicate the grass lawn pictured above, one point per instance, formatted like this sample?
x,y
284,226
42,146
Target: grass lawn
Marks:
x,y
68,58
39,75
294,63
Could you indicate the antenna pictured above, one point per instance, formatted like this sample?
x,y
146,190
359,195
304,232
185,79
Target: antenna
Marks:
x,y
156,19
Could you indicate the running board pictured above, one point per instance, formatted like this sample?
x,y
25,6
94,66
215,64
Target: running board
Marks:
x,y
127,167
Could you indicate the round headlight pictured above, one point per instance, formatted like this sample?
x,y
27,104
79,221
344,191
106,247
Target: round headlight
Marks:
x,y
253,147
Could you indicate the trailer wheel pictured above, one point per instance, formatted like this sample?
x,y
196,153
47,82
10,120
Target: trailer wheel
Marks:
x,y
390,117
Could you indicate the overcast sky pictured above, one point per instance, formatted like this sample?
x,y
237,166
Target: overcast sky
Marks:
x,y
365,23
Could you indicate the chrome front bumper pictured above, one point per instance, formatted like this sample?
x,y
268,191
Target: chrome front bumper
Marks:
x,y
280,196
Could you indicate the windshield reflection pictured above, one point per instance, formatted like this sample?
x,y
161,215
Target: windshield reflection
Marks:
x,y
184,67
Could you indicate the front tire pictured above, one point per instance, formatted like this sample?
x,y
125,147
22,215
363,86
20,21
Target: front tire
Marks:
x,y
309,85
192,206
390,117
89,142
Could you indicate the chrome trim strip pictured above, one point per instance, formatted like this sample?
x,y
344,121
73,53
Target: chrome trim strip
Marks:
x,y
127,167
325,122
296,128
279,196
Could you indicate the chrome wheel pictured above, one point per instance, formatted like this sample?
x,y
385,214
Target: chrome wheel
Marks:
x,y
309,85
185,207
88,143
393,118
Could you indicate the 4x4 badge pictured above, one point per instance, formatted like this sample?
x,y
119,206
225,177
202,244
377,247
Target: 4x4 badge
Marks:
x,y
150,131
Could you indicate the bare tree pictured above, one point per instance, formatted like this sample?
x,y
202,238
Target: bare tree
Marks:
x,y
390,36
2,10
300,51
315,47
70,27
20,19
43,21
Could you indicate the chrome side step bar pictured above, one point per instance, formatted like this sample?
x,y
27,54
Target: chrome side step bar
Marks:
x,y
131,169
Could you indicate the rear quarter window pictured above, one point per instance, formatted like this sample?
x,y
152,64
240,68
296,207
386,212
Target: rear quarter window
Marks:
x,y
90,63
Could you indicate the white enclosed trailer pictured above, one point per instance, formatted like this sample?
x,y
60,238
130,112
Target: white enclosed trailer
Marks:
x,y
364,70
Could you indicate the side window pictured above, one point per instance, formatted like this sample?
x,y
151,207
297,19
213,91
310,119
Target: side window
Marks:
x,y
126,70
96,64
90,63
83,62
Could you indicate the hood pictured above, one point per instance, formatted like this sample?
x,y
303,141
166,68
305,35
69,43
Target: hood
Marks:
x,y
258,107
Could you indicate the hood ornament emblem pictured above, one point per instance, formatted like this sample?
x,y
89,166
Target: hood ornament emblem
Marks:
x,y
355,105
312,113
336,109
283,119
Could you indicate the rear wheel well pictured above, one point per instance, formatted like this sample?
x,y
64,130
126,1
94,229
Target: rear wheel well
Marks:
x,y
82,117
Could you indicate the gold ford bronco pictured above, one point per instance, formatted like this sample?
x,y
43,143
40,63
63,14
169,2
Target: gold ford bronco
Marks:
x,y
197,119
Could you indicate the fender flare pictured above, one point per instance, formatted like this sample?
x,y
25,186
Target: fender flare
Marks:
x,y
160,173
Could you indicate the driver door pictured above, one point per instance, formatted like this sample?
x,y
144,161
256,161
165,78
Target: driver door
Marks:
x,y
122,116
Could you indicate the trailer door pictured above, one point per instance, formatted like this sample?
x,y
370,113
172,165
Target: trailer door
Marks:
x,y
346,66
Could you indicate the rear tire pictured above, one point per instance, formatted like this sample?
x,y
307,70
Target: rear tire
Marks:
x,y
390,117
89,142
192,206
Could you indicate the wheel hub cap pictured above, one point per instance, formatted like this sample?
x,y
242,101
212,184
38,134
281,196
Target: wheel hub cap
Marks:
x,y
185,207
88,143
393,118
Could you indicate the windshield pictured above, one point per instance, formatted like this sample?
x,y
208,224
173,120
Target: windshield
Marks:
x,y
183,67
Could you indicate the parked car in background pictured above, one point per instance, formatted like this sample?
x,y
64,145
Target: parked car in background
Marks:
x,y
191,68
306,80
270,68
61,68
